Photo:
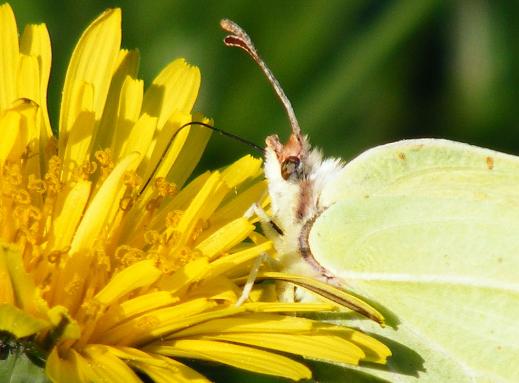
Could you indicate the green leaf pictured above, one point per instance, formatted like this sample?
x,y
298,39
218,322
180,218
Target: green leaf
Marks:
x,y
17,368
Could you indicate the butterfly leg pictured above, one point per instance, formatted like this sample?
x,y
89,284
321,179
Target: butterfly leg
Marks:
x,y
263,258
268,225
258,210
264,218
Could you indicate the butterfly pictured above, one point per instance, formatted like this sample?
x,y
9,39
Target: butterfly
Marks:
x,y
427,229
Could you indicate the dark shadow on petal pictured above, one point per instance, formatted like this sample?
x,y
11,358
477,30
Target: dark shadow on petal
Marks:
x,y
404,360
330,373
223,374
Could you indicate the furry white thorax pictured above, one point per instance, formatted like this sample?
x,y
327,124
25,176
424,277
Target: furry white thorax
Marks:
x,y
285,198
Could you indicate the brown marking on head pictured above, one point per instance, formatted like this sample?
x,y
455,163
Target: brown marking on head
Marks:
x,y
293,147
289,156
490,163
401,156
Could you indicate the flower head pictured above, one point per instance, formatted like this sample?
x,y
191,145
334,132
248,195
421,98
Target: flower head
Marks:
x,y
110,265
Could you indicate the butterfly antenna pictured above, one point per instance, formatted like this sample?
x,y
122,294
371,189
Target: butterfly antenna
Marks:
x,y
208,126
239,38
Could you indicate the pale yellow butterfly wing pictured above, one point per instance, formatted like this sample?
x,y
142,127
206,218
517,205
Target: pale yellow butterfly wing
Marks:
x,y
429,229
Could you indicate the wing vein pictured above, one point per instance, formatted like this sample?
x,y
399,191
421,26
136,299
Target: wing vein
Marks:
x,y
432,279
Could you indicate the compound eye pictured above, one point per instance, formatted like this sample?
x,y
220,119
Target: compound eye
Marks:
x,y
291,168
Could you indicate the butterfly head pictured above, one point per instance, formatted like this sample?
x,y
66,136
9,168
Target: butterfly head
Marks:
x,y
291,156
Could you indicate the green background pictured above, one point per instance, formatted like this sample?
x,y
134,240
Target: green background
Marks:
x,y
359,73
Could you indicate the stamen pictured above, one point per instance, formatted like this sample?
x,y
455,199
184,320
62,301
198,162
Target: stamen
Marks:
x,y
36,185
198,229
55,165
54,256
22,197
86,170
13,174
73,286
164,188
52,177
132,180
128,255
105,160
126,203
152,237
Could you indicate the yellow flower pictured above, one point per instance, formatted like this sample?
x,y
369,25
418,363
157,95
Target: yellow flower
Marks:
x,y
109,266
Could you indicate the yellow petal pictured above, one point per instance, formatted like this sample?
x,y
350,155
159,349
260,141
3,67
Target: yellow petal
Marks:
x,y
220,289
150,325
8,56
69,210
18,322
173,372
135,217
327,292
231,261
165,329
6,287
238,205
100,210
28,84
376,351
157,367
245,168
77,146
185,276
125,119
276,307
35,42
173,90
18,129
190,153
174,154
247,358
58,315
250,323
226,238
166,146
139,137
265,292
116,112
136,306
138,275
24,293
133,355
93,61
14,136
71,368
199,206
28,91
321,347
69,283
108,367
